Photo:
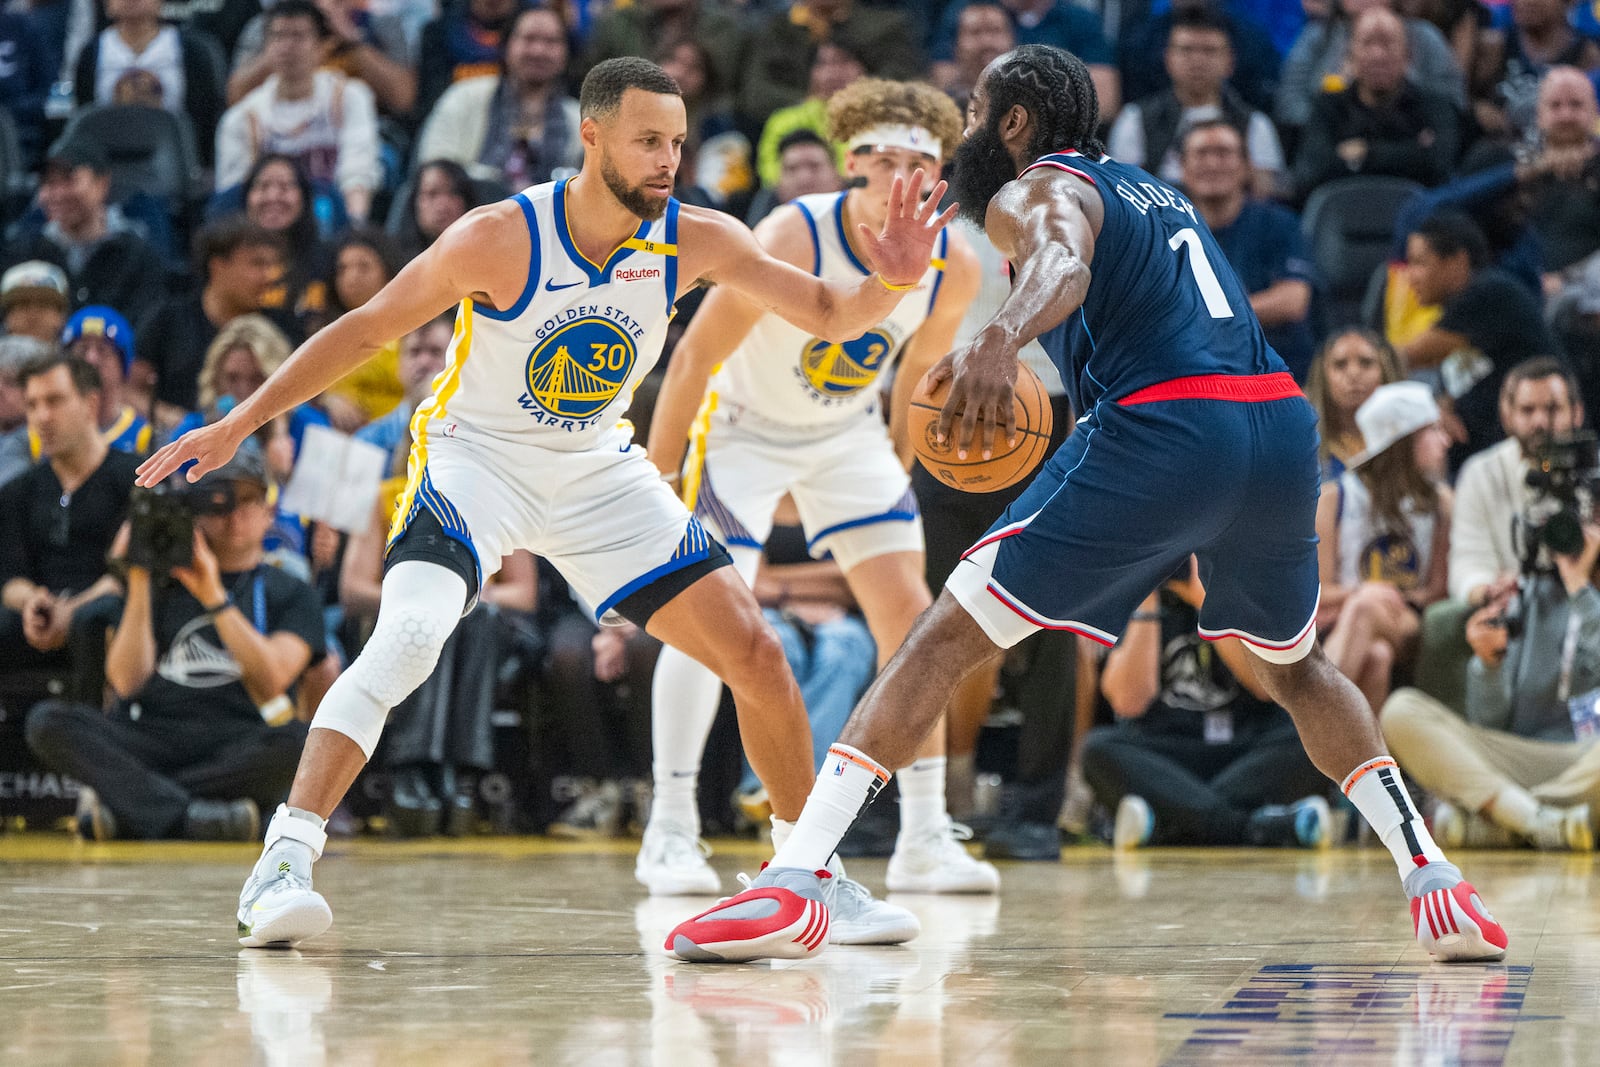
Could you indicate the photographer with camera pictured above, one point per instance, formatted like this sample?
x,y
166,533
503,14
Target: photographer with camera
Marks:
x,y
210,643
1523,764
57,522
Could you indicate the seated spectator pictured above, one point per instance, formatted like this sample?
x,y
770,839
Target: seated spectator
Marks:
x,y
323,119
1379,123
1348,369
716,156
16,352
1199,754
238,361
596,681
984,32
1316,62
465,41
279,197
1490,322
519,127
1540,38
781,53
1199,60
834,68
57,523
364,261
441,194
203,662
25,79
1383,529
240,264
440,738
105,259
642,29
1522,765
1055,22
362,43
33,300
103,339
138,42
806,164
1142,41
1261,240
223,20
1538,401
423,353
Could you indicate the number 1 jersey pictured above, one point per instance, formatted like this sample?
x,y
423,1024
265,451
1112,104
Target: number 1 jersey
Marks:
x,y
1163,303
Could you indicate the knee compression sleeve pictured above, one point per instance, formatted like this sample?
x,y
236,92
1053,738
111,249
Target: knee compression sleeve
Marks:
x,y
420,607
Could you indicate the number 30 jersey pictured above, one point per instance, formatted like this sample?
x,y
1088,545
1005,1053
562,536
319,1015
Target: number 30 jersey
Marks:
x,y
792,380
558,368
1163,303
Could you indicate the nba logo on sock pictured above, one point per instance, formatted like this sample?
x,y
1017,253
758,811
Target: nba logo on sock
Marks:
x,y
838,769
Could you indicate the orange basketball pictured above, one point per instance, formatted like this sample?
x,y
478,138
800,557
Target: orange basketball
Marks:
x,y
1007,465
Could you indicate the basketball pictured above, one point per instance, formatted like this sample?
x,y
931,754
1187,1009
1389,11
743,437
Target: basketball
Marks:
x,y
1006,466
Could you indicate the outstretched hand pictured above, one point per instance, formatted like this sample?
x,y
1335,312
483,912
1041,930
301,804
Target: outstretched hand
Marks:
x,y
209,446
902,252
983,389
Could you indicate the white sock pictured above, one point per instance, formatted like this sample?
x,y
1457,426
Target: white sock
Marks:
x,y
1515,809
682,708
922,795
1378,793
849,778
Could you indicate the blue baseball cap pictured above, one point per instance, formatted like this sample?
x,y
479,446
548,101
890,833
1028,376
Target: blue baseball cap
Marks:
x,y
97,320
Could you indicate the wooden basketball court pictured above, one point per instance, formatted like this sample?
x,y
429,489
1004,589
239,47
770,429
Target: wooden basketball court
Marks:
x,y
514,951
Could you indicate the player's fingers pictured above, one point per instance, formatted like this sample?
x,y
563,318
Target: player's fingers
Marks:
x,y
897,197
989,413
1008,408
945,424
967,430
946,217
914,193
931,203
937,374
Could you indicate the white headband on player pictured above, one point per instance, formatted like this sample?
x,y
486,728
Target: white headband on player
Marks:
x,y
898,135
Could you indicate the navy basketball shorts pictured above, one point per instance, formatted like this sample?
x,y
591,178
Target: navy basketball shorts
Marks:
x,y
1170,471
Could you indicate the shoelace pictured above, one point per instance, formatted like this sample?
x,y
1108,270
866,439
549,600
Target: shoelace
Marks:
x,y
678,847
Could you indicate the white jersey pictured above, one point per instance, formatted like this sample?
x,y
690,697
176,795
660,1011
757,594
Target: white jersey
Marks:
x,y
789,378
558,368
1367,553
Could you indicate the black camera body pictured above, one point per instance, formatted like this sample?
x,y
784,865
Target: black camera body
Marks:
x,y
161,522
1564,478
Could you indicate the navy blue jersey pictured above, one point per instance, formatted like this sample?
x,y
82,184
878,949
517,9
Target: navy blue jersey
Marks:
x,y
1162,303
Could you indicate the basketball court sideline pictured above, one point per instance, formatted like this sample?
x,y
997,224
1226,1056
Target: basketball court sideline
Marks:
x,y
517,951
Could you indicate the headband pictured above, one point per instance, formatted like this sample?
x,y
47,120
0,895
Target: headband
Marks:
x,y
898,135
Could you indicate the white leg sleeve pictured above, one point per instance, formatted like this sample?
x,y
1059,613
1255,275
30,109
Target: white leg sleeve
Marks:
x,y
421,605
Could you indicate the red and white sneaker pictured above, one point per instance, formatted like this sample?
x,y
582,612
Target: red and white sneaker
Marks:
x,y
781,916
1454,926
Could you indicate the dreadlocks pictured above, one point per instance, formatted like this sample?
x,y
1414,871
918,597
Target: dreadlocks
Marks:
x,y
1054,86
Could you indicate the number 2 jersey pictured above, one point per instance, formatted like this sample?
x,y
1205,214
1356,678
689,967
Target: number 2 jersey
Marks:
x,y
1163,303
558,368
793,381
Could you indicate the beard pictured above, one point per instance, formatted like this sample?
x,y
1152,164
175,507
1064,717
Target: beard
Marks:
x,y
633,197
982,167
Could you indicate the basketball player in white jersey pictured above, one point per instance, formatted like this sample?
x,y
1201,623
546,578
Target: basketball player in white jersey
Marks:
x,y
788,412
564,295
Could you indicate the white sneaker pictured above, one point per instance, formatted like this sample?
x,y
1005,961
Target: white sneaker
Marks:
x,y
934,861
1563,829
672,862
279,909
856,917
1134,825
1455,827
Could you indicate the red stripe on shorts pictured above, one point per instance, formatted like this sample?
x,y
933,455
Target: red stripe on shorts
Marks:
x,y
1240,388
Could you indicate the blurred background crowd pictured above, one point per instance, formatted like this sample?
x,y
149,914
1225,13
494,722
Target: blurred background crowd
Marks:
x,y
1409,189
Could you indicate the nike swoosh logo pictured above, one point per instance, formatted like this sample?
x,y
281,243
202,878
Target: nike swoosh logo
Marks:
x,y
550,285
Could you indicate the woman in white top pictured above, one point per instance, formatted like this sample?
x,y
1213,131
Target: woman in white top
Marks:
x,y
1384,530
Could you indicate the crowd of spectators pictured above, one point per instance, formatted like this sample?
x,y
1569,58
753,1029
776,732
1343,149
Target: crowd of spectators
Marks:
x,y
321,144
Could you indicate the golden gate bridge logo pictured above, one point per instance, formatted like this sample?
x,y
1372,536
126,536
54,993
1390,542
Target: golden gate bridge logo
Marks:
x,y
835,369
580,368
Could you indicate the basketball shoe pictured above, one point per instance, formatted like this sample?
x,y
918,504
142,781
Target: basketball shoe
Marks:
x,y
933,861
780,915
277,907
856,917
1135,823
1455,827
1453,925
672,862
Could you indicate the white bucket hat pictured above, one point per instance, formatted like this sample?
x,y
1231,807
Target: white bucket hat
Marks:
x,y
1392,413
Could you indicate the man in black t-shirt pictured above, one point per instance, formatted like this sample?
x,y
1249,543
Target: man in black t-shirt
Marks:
x,y
203,662
240,262
1490,323
57,522
1198,755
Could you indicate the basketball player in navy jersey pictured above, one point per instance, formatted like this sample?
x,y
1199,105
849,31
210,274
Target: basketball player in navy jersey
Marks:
x,y
1193,438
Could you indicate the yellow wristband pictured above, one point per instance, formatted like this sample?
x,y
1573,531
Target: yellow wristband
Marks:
x,y
892,287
